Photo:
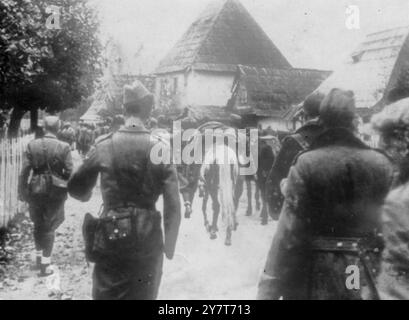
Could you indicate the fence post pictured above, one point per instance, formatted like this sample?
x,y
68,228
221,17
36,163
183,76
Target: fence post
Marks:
x,y
11,160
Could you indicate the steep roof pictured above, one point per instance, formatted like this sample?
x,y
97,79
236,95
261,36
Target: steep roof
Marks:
x,y
272,91
373,69
223,36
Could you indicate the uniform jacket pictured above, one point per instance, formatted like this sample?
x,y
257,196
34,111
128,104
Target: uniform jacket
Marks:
x,y
40,152
134,180
291,146
394,276
334,191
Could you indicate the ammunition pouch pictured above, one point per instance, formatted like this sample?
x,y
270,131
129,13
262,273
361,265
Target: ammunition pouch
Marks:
x,y
119,232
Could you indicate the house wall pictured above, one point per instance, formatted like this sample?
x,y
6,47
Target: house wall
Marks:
x,y
209,88
180,89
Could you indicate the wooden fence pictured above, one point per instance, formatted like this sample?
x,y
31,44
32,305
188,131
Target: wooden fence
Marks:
x,y
372,141
11,158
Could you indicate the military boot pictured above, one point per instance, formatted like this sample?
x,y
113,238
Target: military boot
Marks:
x,y
37,263
188,210
45,268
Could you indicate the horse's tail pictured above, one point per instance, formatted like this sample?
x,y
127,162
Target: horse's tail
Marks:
x,y
228,177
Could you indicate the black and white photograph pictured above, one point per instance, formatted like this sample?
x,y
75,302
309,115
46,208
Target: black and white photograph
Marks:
x,y
225,151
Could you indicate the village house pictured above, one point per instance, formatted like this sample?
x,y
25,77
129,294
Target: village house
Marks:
x,y
269,97
378,74
200,69
226,52
376,71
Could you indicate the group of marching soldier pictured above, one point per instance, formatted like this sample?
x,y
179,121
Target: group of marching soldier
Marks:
x,y
330,193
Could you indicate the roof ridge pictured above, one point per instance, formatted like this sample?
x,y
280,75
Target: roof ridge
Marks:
x,y
224,35
386,30
281,69
223,7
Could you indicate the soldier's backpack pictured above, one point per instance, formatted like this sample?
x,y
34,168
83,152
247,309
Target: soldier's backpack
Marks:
x,y
46,184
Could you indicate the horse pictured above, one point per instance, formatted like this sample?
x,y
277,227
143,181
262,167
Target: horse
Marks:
x,y
218,179
269,147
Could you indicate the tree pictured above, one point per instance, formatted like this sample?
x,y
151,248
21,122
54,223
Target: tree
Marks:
x,y
41,68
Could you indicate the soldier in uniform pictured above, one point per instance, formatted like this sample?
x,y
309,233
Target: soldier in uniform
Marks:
x,y
291,146
393,125
67,134
81,138
99,130
265,162
188,174
131,185
331,217
45,154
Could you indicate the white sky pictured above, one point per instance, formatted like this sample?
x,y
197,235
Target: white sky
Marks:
x,y
310,33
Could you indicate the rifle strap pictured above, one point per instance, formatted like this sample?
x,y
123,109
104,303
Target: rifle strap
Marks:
x,y
301,141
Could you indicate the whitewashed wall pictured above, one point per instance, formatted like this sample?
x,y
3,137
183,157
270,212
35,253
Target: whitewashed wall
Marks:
x,y
198,88
209,89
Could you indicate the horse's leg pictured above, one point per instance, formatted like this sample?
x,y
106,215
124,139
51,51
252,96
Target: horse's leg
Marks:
x,y
249,198
238,192
191,190
257,196
187,203
264,212
204,206
227,241
216,210
234,213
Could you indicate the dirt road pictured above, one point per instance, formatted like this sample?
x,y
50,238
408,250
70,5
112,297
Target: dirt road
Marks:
x,y
202,268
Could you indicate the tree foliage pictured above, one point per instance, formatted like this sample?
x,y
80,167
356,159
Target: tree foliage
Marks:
x,y
50,69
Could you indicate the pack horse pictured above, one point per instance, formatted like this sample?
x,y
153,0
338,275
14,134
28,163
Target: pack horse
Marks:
x,y
218,179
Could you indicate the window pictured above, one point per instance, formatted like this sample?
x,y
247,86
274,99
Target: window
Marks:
x,y
243,96
169,86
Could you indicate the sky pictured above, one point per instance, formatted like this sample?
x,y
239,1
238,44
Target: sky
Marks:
x,y
310,33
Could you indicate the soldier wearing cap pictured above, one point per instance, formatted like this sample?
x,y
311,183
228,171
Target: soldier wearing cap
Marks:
x,y
45,154
331,217
291,146
131,183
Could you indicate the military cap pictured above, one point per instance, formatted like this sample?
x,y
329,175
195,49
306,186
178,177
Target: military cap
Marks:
x,y
135,93
51,123
311,105
338,109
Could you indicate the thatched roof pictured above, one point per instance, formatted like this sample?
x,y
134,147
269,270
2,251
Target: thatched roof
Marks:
x,y
224,36
271,92
373,69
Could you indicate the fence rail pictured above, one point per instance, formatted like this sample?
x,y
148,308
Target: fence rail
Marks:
x,y
11,160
